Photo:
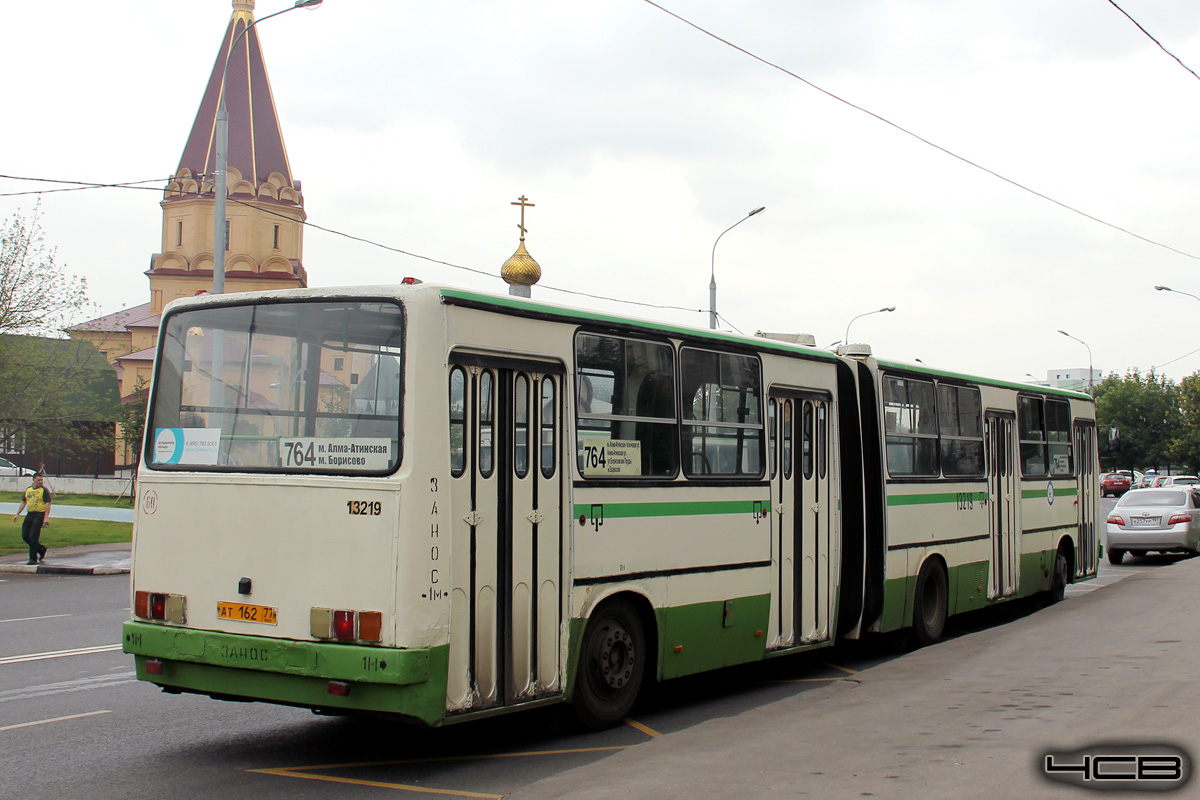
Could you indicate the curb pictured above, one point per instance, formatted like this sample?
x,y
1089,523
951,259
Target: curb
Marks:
x,y
46,569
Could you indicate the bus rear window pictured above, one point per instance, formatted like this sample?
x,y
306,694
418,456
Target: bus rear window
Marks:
x,y
283,387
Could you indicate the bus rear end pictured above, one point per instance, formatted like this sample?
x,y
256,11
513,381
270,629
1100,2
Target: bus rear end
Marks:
x,y
266,551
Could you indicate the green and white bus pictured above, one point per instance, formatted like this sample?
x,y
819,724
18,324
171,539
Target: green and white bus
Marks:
x,y
444,504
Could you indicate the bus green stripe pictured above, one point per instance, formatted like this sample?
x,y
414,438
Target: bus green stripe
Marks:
x,y
684,509
1035,493
931,499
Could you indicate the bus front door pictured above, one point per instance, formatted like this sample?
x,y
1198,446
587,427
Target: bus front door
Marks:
x,y
802,537
1003,526
1088,554
506,599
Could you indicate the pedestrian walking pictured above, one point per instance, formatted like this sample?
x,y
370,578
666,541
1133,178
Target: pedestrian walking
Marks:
x,y
37,500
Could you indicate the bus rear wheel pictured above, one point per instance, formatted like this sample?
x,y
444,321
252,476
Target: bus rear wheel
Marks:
x,y
612,662
931,604
1059,579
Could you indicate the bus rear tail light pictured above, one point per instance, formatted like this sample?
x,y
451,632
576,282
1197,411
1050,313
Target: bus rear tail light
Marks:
x,y
160,606
344,625
1178,518
1116,519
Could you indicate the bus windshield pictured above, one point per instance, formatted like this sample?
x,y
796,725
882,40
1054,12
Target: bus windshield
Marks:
x,y
305,386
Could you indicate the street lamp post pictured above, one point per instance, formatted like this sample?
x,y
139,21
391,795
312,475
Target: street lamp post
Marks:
x,y
1176,291
220,171
712,281
1091,388
846,338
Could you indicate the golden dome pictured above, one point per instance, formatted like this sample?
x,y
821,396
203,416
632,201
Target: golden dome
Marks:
x,y
521,269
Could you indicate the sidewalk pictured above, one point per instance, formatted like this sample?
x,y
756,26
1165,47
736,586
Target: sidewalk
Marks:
x,y
87,559
970,717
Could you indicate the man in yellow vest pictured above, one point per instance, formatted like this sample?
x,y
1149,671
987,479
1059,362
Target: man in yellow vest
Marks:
x,y
37,498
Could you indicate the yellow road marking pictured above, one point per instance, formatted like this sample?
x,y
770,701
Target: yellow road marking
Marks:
x,y
303,772
404,787
648,731
843,669
443,759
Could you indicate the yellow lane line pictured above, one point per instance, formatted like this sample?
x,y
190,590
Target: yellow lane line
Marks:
x,y
443,759
404,787
843,669
653,734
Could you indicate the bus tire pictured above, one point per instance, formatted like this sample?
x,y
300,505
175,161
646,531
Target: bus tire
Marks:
x,y
1115,556
931,604
612,662
1059,578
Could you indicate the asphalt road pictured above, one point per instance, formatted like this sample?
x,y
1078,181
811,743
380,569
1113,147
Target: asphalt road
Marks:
x,y
74,722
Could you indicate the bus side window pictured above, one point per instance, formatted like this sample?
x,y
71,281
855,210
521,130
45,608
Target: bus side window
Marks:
x,y
807,444
787,439
1031,425
521,424
486,422
549,415
772,437
822,440
458,422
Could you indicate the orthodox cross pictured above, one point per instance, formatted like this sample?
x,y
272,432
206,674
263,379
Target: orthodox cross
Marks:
x,y
524,203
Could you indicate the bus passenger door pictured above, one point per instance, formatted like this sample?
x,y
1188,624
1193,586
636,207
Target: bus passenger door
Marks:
x,y
802,536
781,413
506,597
1003,527
1087,553
817,529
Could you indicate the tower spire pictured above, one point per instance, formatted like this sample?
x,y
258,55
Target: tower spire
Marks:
x,y
256,149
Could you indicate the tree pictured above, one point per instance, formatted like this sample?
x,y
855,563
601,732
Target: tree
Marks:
x,y
1185,445
58,397
1145,409
36,296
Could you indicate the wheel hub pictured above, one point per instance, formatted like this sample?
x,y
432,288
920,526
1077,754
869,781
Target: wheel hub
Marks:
x,y
616,658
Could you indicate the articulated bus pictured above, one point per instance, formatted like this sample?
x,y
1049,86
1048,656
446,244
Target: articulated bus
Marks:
x,y
442,504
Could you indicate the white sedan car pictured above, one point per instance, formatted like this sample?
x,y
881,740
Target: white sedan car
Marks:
x,y
9,469
1165,520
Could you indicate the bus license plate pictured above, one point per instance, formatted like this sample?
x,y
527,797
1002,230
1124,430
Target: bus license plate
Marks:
x,y
244,612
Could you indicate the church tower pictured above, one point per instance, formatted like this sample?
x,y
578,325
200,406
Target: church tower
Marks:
x,y
264,239
264,213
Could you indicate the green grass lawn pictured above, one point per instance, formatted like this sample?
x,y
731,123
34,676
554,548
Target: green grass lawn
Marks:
x,y
92,500
63,533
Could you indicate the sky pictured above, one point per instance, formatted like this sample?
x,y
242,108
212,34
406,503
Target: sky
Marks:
x,y
640,139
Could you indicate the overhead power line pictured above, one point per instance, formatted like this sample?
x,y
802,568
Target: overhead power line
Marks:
x,y
76,186
1156,41
79,185
916,136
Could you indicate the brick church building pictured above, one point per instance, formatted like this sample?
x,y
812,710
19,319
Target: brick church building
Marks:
x,y
264,226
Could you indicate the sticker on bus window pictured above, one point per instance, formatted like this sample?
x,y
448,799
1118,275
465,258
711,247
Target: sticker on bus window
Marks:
x,y
611,457
198,446
335,453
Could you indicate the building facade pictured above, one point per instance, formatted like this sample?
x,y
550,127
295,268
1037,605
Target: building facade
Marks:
x,y
264,220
